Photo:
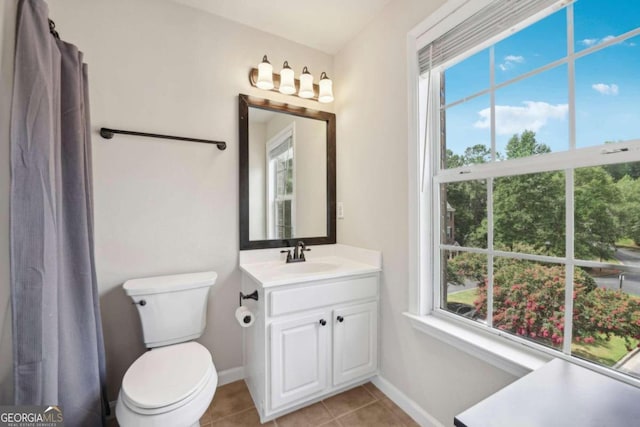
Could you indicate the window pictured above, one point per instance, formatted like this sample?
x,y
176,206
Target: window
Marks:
x,y
532,160
281,185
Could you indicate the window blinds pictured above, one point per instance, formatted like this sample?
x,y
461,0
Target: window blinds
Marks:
x,y
492,20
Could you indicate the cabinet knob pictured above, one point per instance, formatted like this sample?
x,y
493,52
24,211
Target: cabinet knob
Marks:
x,y
340,319
323,322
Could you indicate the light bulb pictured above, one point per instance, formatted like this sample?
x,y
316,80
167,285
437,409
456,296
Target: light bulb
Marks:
x,y
287,80
265,74
306,84
326,89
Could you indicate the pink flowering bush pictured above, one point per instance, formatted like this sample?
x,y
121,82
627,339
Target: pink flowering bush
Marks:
x,y
529,300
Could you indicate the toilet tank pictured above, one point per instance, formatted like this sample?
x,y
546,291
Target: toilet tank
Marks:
x,y
173,308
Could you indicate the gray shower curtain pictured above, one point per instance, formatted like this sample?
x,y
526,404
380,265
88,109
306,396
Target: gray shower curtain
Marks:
x,y
57,332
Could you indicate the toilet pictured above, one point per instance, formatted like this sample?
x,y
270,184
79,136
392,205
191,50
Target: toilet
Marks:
x,y
173,383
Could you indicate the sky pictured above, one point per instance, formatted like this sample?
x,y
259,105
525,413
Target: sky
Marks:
x,y
607,82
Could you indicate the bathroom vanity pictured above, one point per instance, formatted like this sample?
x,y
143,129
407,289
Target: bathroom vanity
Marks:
x,y
316,325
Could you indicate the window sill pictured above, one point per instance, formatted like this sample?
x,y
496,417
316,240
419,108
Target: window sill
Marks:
x,y
510,356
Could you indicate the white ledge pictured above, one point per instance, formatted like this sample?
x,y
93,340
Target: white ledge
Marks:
x,y
508,355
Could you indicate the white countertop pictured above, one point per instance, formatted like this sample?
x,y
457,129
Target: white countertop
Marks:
x,y
268,267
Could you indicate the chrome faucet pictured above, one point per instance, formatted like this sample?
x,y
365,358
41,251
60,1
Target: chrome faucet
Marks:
x,y
298,252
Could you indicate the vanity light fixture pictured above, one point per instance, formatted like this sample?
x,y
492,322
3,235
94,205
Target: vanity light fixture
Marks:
x,y
287,80
263,77
265,74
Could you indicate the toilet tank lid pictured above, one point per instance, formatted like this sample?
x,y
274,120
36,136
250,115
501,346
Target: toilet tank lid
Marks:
x,y
173,283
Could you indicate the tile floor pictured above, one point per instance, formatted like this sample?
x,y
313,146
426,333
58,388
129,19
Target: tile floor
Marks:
x,y
364,406
361,406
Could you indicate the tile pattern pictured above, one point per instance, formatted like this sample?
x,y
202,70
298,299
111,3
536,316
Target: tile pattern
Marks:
x,y
364,406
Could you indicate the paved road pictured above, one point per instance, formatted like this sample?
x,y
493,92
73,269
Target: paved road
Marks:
x,y
630,364
631,282
468,284
628,256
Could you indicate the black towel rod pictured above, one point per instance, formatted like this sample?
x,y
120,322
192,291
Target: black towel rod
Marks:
x,y
108,134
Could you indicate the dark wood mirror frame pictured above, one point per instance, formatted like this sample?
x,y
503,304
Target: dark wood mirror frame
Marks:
x,y
245,102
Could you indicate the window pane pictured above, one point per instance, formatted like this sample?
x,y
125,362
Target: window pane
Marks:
x,y
607,93
464,213
467,77
289,186
528,300
287,212
465,275
536,104
529,213
606,314
535,46
598,206
596,21
468,133
626,177
280,213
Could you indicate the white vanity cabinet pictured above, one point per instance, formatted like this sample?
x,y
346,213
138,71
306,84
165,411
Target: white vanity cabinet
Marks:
x,y
310,340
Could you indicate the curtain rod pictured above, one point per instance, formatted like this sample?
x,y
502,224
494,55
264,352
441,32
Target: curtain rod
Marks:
x,y
108,134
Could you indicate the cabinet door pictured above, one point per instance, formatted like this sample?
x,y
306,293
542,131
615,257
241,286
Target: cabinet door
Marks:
x,y
355,342
299,357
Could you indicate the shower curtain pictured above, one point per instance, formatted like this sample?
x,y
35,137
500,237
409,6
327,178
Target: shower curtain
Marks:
x,y
58,345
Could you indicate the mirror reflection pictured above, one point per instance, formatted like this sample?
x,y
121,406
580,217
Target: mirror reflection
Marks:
x,y
287,176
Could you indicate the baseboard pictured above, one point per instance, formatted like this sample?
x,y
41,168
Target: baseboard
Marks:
x,y
230,375
414,410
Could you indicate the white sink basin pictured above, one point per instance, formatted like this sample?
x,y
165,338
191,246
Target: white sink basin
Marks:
x,y
307,267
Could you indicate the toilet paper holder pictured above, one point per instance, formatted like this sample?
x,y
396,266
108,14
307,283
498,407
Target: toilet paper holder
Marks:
x,y
253,295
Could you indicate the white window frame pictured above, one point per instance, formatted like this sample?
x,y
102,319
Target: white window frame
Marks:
x,y
272,143
506,351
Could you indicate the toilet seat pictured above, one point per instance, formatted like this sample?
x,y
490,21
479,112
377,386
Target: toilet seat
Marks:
x,y
166,378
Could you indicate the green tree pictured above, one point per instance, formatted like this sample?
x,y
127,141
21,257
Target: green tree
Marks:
x,y
530,208
628,210
468,198
525,145
453,160
596,223
476,154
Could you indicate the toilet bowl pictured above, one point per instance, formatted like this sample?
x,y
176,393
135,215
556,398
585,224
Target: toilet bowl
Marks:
x,y
173,383
168,386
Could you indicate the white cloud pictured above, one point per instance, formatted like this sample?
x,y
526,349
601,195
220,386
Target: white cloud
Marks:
x,y
606,39
510,61
511,119
595,41
589,42
605,89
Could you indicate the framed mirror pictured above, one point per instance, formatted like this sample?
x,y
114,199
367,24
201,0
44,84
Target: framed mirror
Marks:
x,y
287,174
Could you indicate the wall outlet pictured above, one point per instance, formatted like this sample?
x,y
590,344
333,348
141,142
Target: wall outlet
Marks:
x,y
340,210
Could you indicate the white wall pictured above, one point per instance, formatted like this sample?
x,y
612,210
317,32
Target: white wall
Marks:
x,y
7,41
166,207
372,128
